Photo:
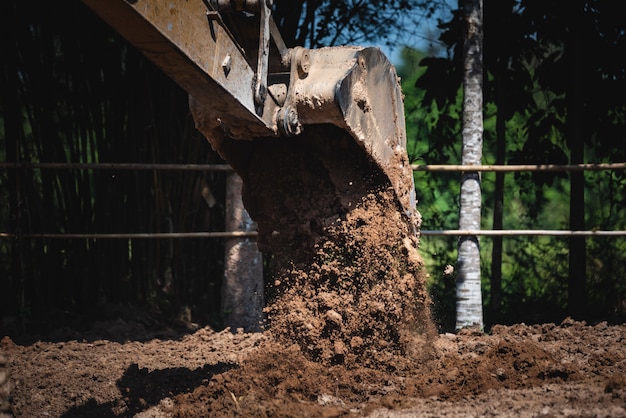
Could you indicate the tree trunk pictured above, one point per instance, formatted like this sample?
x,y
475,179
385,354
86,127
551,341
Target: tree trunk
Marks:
x,y
242,288
469,309
495,297
577,292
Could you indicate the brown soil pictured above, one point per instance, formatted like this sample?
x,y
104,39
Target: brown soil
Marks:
x,y
348,325
127,368
348,281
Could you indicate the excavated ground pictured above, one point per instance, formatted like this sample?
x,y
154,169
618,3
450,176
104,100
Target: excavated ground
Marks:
x,y
348,326
136,368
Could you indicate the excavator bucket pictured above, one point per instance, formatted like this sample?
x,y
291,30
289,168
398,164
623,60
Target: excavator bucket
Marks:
x,y
249,95
353,89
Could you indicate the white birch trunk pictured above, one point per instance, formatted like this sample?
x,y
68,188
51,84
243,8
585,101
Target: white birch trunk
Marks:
x,y
469,306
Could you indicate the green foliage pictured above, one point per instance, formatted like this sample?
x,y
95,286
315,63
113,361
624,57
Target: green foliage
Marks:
x,y
429,130
530,88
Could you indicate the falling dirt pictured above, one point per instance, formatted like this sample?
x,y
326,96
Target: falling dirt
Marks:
x,y
348,281
348,329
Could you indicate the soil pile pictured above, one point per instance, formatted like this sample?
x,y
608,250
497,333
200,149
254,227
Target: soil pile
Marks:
x,y
349,301
5,388
348,280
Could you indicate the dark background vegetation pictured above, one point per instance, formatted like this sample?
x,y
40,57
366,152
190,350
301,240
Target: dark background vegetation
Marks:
x,y
72,90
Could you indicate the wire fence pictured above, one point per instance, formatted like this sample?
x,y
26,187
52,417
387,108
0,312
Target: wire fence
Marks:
x,y
252,234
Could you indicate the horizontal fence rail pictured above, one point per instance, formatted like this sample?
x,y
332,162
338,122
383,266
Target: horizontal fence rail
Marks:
x,y
129,235
226,167
526,167
119,166
524,232
252,234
